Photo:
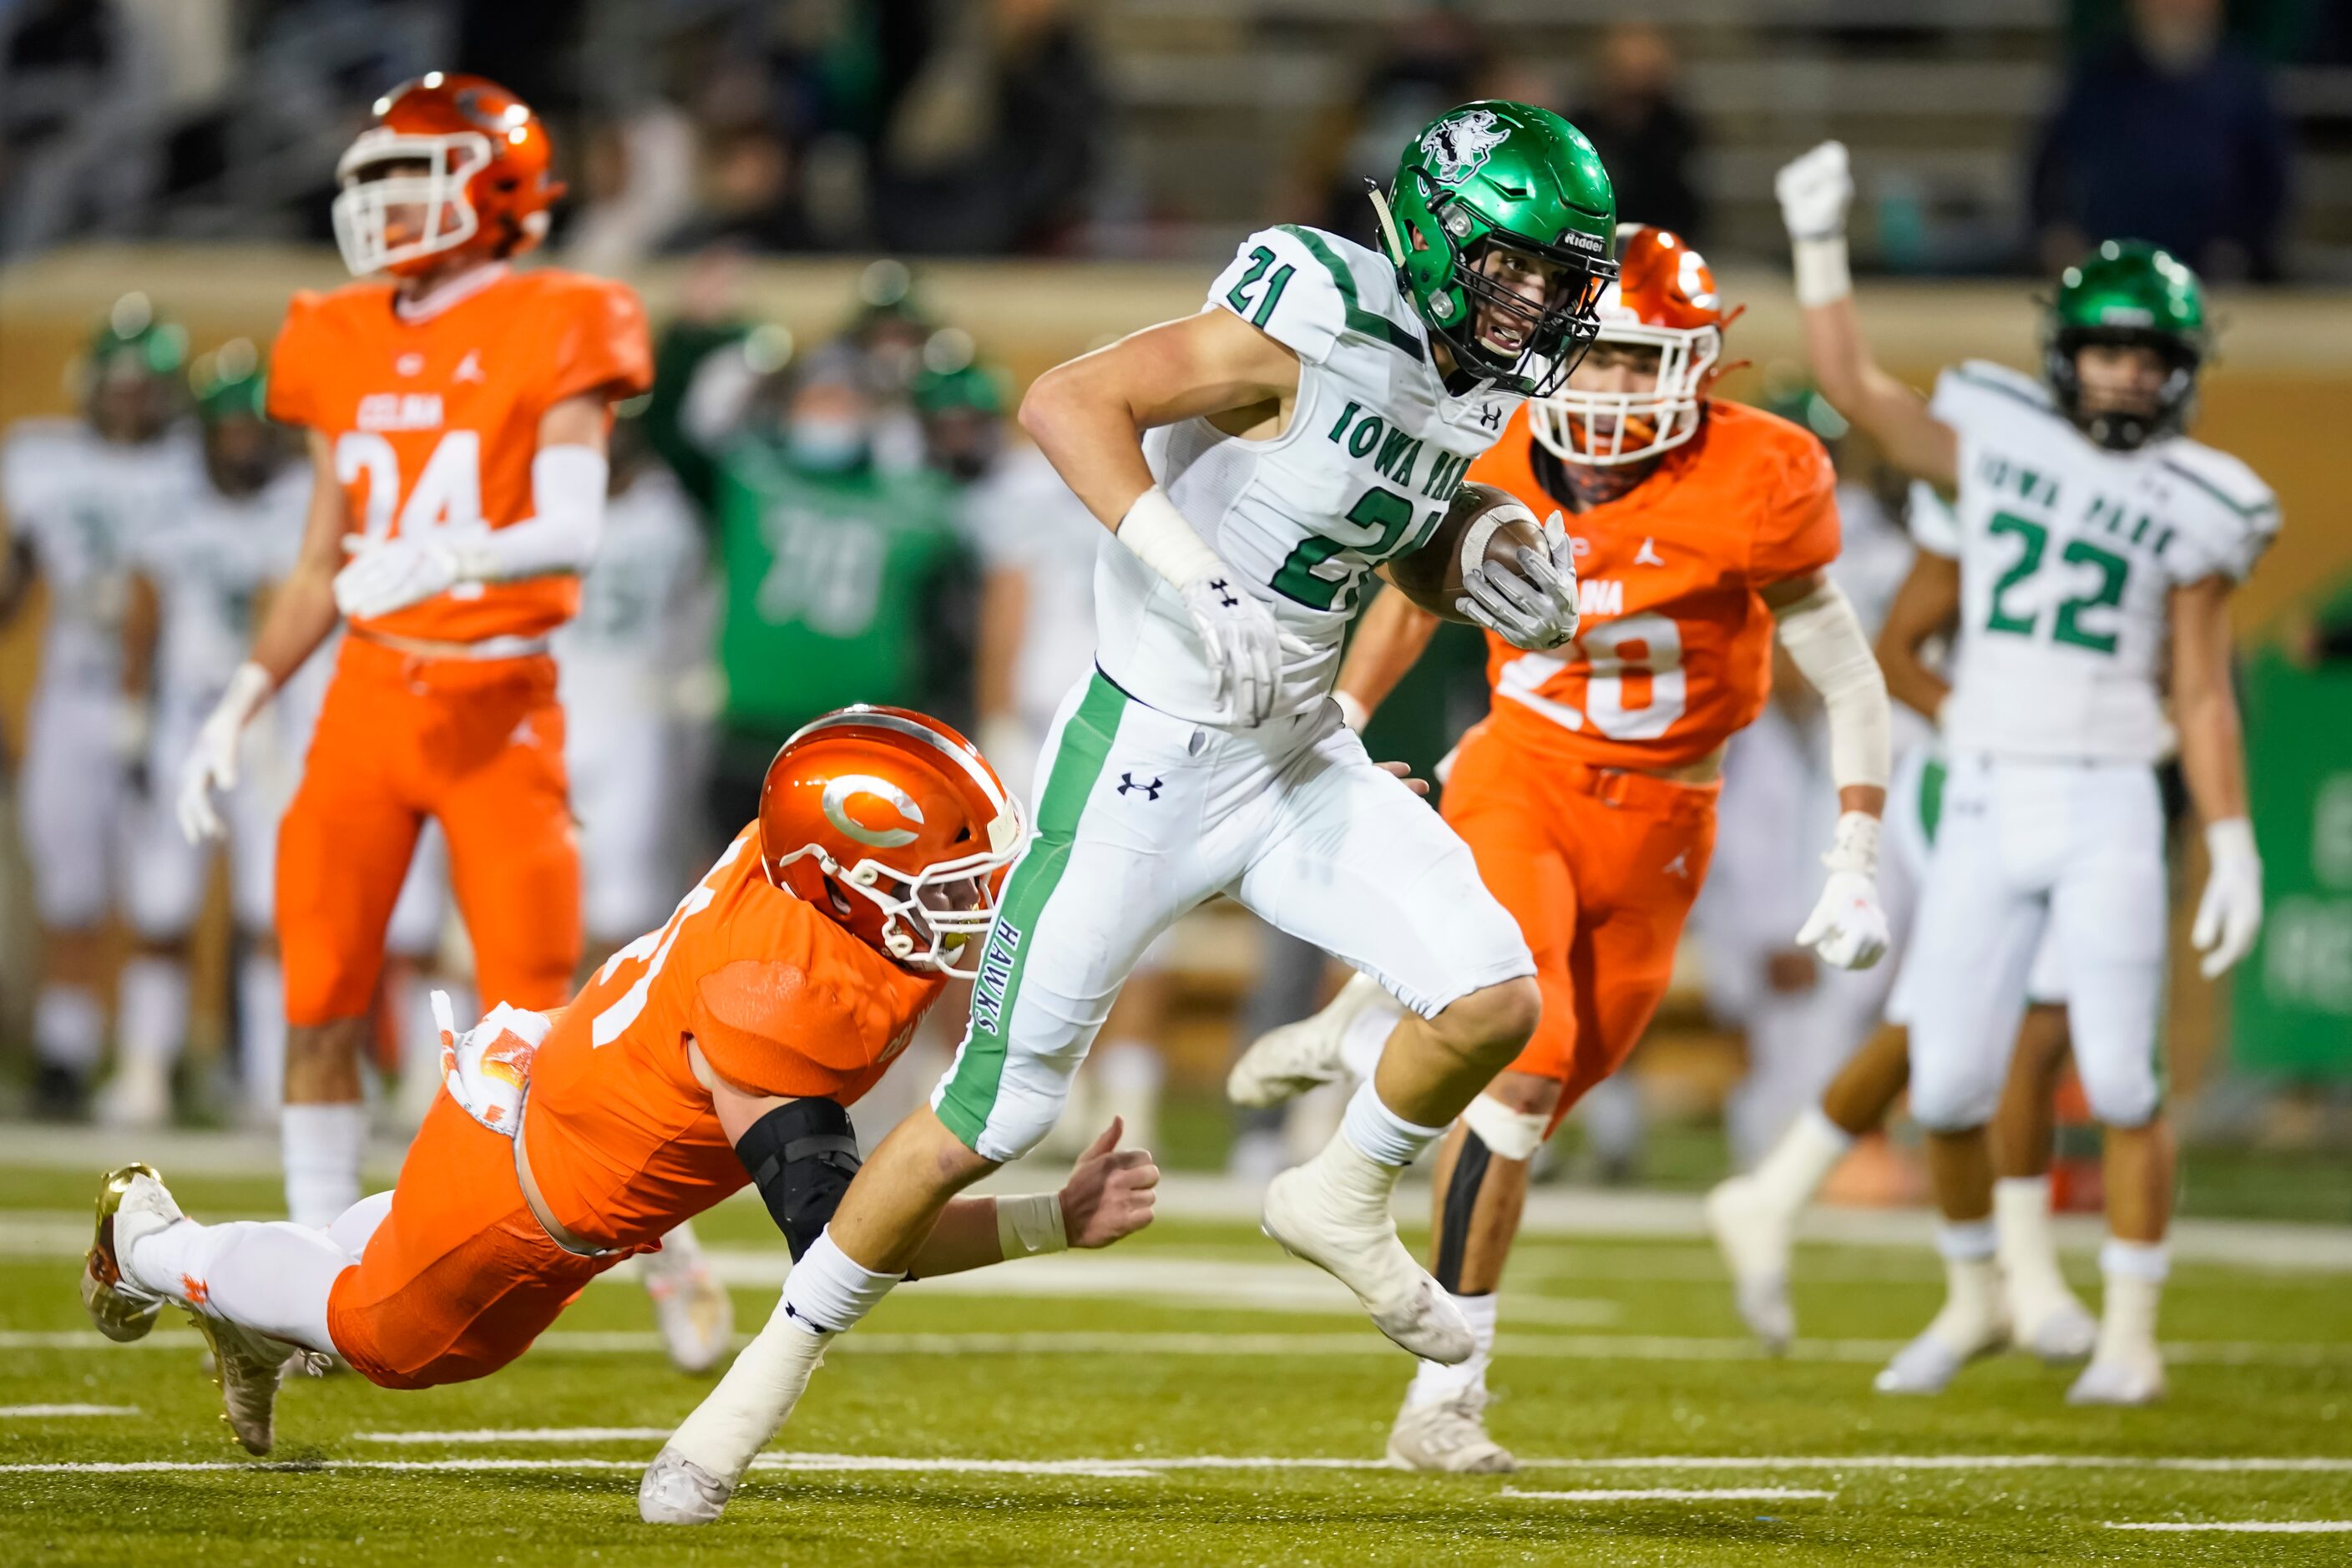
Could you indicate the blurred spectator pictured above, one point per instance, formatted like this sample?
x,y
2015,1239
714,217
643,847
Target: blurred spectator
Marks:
x,y
1433,60
995,143
639,188
80,91
751,196
2168,134
1645,136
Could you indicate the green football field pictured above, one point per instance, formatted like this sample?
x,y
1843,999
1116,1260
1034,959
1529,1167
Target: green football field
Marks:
x,y
1193,1397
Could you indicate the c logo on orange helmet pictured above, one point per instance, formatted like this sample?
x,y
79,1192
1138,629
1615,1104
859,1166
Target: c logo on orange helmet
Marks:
x,y
838,793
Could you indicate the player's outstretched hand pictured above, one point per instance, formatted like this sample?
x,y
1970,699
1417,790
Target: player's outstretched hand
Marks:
x,y
1815,189
212,763
1403,772
1111,1191
1243,643
387,574
2230,912
1847,929
1534,608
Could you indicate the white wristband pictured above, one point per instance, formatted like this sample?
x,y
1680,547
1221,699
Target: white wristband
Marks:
x,y
248,690
2232,839
1854,846
1352,714
1160,537
1822,275
1027,1227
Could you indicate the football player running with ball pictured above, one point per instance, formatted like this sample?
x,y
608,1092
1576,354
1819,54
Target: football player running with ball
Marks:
x,y
2092,532
1255,461
1588,793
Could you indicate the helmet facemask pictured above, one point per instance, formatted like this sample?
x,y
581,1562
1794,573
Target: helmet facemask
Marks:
x,y
2124,430
1605,429
932,917
1551,337
381,182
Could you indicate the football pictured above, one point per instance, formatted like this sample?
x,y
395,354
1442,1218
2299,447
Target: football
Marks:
x,y
1482,524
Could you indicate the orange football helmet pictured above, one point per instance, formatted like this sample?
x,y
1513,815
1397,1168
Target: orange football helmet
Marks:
x,y
485,188
894,825
1665,299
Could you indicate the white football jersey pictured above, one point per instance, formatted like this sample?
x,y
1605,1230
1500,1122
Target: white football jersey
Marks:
x,y
82,502
209,568
1374,451
636,626
2068,555
1020,515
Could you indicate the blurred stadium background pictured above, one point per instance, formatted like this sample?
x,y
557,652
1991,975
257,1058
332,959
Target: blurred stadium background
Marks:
x,y
1052,172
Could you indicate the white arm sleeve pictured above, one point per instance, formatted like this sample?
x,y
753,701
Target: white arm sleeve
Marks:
x,y
1825,640
567,492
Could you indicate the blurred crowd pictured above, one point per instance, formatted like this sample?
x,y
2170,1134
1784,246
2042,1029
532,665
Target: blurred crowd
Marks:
x,y
992,126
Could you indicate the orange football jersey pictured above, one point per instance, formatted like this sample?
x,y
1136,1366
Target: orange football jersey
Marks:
x,y
782,1000
1673,649
434,421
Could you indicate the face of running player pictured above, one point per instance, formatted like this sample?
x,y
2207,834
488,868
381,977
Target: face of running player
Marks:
x,y
1533,283
1615,370
2119,378
241,454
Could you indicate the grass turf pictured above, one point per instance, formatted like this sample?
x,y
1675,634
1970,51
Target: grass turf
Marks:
x,y
941,1378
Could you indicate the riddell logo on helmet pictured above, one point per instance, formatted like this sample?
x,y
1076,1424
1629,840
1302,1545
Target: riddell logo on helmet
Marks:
x,y
839,793
1576,240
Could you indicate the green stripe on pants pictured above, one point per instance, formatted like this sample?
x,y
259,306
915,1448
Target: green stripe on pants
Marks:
x,y
1077,763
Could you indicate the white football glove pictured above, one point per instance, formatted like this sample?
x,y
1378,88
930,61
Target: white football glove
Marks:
x,y
1243,643
1534,608
486,1068
1847,929
2230,913
1815,189
388,575
212,763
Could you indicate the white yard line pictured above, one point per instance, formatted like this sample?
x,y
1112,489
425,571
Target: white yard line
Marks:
x,y
1679,1494
9,1412
2253,1526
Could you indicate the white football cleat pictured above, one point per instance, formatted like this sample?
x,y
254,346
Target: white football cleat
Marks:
x,y
1958,1335
2060,1330
1448,1436
2120,1379
677,1490
132,1203
1333,1211
1752,1235
1283,1064
691,1308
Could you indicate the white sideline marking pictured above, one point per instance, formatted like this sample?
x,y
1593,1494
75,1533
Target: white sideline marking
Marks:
x,y
1113,1341
1678,1494
12,1411
2256,1526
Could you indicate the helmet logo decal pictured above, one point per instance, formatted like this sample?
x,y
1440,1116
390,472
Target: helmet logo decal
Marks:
x,y
1457,148
838,796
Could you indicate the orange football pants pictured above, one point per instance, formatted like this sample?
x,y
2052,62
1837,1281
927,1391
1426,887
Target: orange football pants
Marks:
x,y
478,746
1600,868
459,1278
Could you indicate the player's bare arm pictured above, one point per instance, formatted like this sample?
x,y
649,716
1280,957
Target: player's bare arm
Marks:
x,y
1815,191
1389,641
2213,761
1927,607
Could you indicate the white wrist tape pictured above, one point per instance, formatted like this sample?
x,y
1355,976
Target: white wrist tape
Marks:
x,y
1825,642
2232,839
248,688
1026,1227
1161,538
1352,714
1822,275
1854,846
567,494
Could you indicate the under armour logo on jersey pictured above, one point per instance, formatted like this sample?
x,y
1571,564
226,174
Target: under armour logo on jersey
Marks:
x,y
1126,782
470,367
409,363
1224,593
1679,866
1491,416
1648,554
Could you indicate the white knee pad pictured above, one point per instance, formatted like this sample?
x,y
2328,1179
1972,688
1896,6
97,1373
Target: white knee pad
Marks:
x,y
2122,1091
1509,1135
1953,1095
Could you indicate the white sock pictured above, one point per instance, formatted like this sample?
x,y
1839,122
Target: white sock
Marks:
x,y
1966,1241
152,1014
1379,1135
69,1027
321,1146
1803,1158
2027,1248
1971,1296
828,1292
261,1030
273,1277
2135,1272
1367,1034
1432,1382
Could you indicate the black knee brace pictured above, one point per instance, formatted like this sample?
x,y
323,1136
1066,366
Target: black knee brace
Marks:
x,y
1461,1202
802,1157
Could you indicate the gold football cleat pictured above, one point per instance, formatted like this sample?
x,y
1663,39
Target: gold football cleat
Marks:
x,y
121,1310
246,1365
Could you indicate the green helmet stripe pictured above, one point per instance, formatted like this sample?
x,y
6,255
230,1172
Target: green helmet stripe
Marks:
x,y
1370,323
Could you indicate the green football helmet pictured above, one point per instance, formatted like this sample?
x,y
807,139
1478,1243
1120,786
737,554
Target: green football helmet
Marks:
x,y
129,376
230,383
2127,292
1498,175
